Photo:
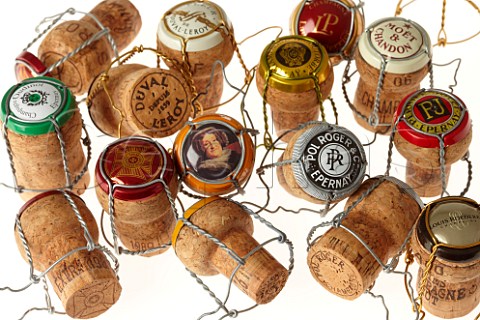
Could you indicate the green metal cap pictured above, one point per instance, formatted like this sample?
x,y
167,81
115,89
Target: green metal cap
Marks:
x,y
29,106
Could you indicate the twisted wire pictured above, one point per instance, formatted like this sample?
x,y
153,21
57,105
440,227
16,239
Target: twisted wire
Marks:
x,y
63,150
50,26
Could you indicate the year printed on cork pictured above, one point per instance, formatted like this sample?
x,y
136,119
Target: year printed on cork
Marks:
x,y
397,39
160,102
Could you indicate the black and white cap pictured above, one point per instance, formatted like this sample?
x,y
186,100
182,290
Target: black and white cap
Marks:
x,y
331,162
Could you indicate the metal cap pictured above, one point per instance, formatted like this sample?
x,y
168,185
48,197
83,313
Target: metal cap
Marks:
x,y
331,162
27,65
32,104
294,63
333,23
195,22
213,151
403,44
453,223
131,165
428,115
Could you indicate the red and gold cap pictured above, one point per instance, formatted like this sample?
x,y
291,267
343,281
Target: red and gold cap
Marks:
x,y
213,152
132,167
336,24
294,64
451,224
428,115
27,65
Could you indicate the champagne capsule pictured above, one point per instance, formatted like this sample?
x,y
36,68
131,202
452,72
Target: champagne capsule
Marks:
x,y
294,76
425,119
331,163
214,154
336,24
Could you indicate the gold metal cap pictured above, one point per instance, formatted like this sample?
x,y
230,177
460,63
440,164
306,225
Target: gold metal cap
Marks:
x,y
294,64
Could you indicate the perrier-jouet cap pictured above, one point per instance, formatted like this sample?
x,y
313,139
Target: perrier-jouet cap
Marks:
x,y
31,105
294,63
453,224
428,115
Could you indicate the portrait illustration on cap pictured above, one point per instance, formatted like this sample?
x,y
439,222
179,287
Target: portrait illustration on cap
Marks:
x,y
213,151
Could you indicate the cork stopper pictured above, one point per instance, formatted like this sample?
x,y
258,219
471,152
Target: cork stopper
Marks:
x,y
261,278
78,72
452,282
402,49
335,24
331,163
84,281
425,118
289,70
395,87
143,215
36,151
120,17
156,102
103,114
340,263
202,30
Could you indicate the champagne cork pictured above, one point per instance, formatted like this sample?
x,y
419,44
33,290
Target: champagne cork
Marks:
x,y
453,282
151,101
119,16
214,154
426,118
105,117
143,215
343,265
84,281
261,277
336,24
290,72
402,50
29,109
331,163
198,33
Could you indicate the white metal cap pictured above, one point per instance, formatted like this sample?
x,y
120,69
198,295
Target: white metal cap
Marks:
x,y
196,23
403,45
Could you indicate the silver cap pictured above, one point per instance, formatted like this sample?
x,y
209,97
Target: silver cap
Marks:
x,y
331,162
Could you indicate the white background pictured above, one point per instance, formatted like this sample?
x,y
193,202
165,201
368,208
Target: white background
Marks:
x,y
159,287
